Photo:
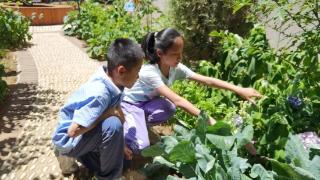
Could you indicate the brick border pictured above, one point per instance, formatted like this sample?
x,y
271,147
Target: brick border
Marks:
x,y
26,67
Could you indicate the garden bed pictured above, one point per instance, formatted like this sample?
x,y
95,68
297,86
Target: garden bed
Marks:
x,y
42,14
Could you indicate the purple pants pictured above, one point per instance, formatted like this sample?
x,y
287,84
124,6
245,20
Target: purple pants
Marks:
x,y
141,114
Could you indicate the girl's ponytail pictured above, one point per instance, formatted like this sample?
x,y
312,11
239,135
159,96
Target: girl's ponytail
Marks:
x,y
148,46
161,40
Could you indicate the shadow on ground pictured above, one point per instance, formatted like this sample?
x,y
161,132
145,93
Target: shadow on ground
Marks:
x,y
25,107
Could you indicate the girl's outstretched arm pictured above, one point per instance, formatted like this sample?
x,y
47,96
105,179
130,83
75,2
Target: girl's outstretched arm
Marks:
x,y
180,101
246,93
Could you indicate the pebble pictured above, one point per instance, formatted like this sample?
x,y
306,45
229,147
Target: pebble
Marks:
x,y
45,169
12,176
23,175
4,176
31,176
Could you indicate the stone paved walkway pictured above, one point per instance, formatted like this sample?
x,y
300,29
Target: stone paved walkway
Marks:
x,y
51,68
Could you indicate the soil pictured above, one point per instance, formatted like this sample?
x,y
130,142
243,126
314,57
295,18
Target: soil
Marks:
x,y
10,64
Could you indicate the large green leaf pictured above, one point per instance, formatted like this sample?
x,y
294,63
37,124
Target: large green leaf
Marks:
x,y
238,166
161,160
183,152
180,130
178,178
289,171
156,171
315,167
169,143
204,158
244,136
202,125
258,170
220,173
252,68
188,170
296,153
221,142
220,128
154,150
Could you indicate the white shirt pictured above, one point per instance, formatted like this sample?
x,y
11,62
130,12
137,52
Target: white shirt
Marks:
x,y
150,78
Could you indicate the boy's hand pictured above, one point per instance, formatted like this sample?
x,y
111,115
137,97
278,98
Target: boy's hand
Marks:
x,y
113,111
75,129
128,154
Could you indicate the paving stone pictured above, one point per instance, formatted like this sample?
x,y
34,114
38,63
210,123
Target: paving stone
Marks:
x,y
50,71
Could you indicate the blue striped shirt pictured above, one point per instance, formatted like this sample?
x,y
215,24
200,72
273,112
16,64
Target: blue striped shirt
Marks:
x,y
84,106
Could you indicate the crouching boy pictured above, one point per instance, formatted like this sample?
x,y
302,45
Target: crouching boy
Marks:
x,y
90,123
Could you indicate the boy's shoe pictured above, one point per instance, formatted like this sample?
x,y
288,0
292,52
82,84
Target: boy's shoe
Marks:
x,y
68,165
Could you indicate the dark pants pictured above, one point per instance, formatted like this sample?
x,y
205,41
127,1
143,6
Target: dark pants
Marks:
x,y
101,149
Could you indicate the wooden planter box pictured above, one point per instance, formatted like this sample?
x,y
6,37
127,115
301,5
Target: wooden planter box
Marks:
x,y
44,14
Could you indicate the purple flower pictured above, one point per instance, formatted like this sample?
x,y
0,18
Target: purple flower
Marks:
x,y
237,119
310,140
295,102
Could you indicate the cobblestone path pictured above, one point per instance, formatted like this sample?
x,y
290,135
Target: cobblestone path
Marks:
x,y
50,69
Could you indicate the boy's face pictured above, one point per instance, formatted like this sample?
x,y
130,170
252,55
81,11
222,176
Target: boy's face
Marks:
x,y
129,77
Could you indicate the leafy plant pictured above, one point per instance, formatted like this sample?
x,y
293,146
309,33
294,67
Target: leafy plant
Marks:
x,y
213,153
206,152
100,25
13,34
13,29
196,19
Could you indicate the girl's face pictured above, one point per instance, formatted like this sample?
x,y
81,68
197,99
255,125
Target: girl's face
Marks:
x,y
174,54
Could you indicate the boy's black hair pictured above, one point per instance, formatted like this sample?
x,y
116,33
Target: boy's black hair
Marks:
x,y
124,52
162,40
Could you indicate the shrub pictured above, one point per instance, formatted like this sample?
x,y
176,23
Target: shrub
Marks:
x,y
13,29
100,25
196,19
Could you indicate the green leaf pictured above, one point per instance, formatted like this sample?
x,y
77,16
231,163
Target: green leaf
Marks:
x,y
177,178
238,166
220,173
205,160
154,150
215,34
161,160
180,130
315,167
296,153
244,136
239,5
221,142
220,128
183,152
252,68
259,171
173,178
202,125
289,171
160,171
187,170
169,143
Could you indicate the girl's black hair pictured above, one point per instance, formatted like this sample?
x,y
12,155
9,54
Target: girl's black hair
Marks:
x,y
162,40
